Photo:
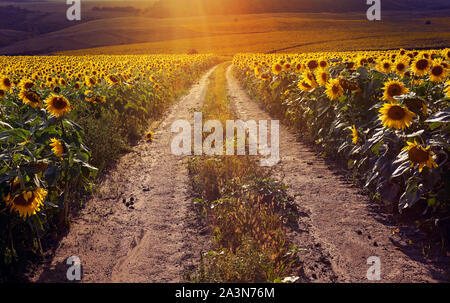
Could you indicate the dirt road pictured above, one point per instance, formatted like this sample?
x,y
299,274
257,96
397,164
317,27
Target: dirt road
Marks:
x,y
149,243
339,228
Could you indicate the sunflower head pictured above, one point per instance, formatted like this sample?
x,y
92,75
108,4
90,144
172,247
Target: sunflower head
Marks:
x,y
386,66
5,83
265,77
57,147
27,203
392,89
418,154
401,66
298,67
96,99
31,98
287,66
2,93
26,84
309,78
421,66
323,63
396,116
277,68
113,79
355,136
334,89
304,86
416,105
322,77
312,64
447,89
57,105
89,81
438,72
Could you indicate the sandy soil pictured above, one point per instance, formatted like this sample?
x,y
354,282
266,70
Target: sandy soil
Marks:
x,y
149,241
339,228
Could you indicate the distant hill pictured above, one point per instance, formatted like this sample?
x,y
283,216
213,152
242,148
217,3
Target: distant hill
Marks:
x,y
172,8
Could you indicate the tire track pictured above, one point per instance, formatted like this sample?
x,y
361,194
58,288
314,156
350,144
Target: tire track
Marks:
x,y
152,242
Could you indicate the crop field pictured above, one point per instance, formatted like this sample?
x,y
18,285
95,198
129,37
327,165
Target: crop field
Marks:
x,y
385,113
267,142
60,117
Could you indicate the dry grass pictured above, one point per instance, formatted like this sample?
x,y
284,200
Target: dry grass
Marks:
x,y
245,210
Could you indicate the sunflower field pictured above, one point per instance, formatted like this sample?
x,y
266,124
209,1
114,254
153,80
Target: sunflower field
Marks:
x,y
62,119
385,114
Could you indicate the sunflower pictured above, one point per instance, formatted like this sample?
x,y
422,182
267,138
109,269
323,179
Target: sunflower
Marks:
x,y
438,72
304,86
265,77
31,98
396,116
350,65
5,83
416,105
89,81
257,71
349,85
309,78
386,66
277,68
96,99
298,67
312,65
27,203
446,54
447,89
421,66
76,86
401,66
322,77
333,89
156,86
57,147
2,93
355,136
113,79
362,61
392,89
323,63
418,154
57,105
26,84
149,136
287,67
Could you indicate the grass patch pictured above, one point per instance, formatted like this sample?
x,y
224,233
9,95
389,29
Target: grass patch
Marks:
x,y
246,211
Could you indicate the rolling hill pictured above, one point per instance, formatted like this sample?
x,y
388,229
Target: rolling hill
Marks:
x,y
107,29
